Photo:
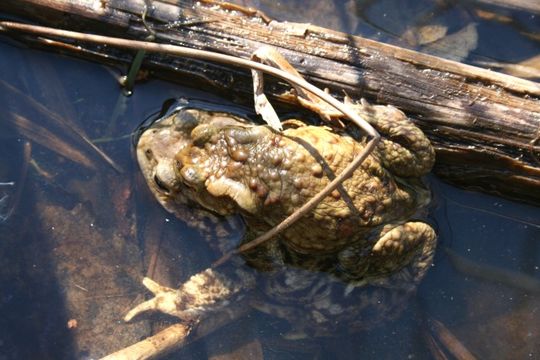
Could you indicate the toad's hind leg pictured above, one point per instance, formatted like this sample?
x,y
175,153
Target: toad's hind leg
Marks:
x,y
400,256
207,291
404,149
409,247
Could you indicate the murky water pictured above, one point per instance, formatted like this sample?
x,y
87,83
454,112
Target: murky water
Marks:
x,y
73,252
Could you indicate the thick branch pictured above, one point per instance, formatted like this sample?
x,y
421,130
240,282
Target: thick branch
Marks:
x,y
485,125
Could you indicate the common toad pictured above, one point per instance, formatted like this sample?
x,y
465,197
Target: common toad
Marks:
x,y
349,264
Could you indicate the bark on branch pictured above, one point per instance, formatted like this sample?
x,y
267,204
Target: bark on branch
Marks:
x,y
484,125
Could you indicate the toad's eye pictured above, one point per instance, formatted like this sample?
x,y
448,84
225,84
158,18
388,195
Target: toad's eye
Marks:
x,y
187,119
160,184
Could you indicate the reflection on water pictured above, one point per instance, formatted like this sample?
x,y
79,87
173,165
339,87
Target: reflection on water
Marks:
x,y
79,242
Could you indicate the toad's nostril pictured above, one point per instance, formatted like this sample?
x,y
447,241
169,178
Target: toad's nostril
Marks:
x,y
149,154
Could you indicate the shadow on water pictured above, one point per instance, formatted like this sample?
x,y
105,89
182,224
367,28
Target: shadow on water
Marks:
x,y
33,323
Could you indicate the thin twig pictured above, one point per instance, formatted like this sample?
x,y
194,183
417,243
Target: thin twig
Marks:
x,y
13,203
514,279
161,343
57,119
450,341
231,60
27,156
178,335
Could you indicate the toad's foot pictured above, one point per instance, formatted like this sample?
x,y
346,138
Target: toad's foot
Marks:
x,y
404,149
403,252
204,292
164,300
410,245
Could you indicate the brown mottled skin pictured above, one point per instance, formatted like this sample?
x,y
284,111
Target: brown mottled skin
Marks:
x,y
352,262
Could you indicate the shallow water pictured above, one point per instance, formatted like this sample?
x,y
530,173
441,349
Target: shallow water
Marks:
x,y
78,243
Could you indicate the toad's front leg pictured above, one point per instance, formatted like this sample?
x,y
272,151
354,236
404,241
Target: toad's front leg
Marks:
x,y
205,292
